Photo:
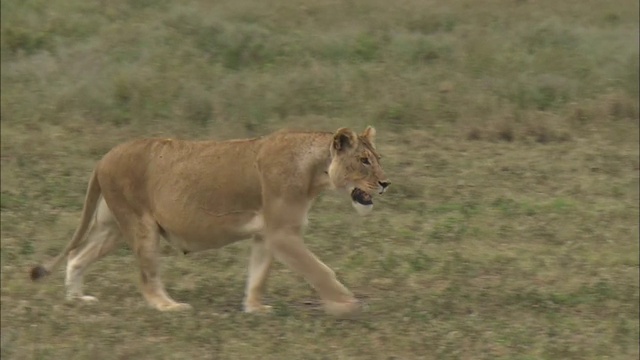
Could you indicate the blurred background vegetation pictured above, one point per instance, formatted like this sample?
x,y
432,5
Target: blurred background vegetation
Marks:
x,y
256,66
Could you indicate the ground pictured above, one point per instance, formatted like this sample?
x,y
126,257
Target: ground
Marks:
x,y
509,131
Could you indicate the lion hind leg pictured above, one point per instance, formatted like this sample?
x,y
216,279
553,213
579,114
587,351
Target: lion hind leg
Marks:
x,y
145,244
102,239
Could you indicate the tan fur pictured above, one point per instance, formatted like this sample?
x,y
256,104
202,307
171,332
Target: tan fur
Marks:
x,y
201,195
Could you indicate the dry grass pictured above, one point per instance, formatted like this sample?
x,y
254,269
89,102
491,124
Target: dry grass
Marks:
x,y
510,130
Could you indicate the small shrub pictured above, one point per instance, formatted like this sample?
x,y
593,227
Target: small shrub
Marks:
x,y
502,131
431,23
18,39
550,35
198,109
235,47
367,47
505,133
542,132
544,92
474,134
418,48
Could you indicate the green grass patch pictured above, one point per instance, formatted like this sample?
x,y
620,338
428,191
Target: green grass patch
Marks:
x,y
509,132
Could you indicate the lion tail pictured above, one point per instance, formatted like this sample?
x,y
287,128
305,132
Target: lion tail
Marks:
x,y
88,211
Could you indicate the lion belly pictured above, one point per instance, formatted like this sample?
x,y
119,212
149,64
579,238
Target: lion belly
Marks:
x,y
212,232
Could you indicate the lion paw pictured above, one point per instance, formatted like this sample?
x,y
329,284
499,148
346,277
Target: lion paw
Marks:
x,y
174,307
343,309
88,298
82,298
258,309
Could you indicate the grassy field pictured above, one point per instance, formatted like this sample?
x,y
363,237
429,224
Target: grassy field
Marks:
x,y
509,130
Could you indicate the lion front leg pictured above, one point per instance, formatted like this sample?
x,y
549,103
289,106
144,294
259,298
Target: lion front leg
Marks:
x,y
288,247
259,265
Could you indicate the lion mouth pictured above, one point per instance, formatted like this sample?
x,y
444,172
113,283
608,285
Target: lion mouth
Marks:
x,y
361,197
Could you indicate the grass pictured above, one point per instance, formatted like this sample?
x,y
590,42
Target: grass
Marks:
x,y
509,129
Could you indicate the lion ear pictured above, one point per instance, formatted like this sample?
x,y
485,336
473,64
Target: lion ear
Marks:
x,y
344,139
370,134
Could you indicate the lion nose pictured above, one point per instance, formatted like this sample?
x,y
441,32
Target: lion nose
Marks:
x,y
384,184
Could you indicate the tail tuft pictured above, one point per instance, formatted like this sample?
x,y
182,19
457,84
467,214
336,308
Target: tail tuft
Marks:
x,y
38,272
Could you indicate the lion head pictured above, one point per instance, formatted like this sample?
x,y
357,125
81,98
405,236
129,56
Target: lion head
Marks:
x,y
355,167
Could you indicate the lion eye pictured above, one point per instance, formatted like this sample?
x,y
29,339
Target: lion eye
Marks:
x,y
365,161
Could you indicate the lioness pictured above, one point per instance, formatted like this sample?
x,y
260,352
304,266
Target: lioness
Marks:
x,y
200,195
